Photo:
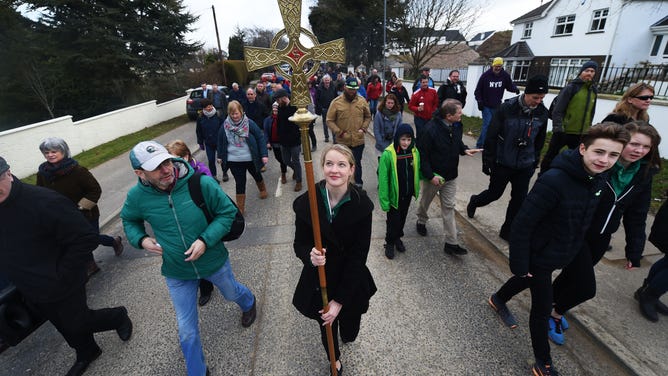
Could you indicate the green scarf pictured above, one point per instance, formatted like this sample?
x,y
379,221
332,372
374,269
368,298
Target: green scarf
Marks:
x,y
621,177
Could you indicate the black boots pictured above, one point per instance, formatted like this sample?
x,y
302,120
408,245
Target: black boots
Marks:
x,y
649,302
389,250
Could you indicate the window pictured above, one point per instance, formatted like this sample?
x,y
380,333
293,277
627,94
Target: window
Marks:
x,y
598,20
563,69
564,25
519,69
657,43
665,50
527,30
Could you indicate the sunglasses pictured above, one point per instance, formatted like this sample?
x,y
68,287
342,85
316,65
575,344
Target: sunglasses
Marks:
x,y
644,97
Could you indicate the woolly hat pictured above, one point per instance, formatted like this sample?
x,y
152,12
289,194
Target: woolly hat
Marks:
x,y
280,93
403,129
536,85
497,61
590,64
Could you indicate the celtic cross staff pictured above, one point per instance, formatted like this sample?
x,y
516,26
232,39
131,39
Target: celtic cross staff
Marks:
x,y
296,55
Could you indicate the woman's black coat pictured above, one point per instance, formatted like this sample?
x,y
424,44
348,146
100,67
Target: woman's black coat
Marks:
x,y
346,240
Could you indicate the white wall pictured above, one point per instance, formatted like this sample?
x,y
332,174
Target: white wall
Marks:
x,y
633,40
20,146
658,111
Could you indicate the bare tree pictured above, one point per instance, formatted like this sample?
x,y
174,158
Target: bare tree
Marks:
x,y
44,93
423,23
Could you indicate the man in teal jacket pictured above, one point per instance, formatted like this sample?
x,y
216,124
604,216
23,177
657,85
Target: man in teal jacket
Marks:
x,y
190,246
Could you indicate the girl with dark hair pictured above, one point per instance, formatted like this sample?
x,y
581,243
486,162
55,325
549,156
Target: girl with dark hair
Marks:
x,y
385,123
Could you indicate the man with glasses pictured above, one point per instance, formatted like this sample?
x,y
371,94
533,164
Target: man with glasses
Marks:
x,y
189,245
45,248
572,113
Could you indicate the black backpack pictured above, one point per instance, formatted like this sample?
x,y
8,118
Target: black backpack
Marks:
x,y
195,188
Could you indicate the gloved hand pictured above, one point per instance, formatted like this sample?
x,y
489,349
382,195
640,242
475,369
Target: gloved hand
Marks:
x,y
486,168
517,91
480,105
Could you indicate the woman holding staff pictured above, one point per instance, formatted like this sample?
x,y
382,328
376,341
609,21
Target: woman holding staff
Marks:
x,y
344,214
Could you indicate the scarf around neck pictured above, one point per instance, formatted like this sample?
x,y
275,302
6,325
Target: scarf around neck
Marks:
x,y
209,113
51,171
239,130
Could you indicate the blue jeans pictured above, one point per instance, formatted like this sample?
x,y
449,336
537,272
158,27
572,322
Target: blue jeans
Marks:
x,y
487,113
419,126
373,105
357,153
184,299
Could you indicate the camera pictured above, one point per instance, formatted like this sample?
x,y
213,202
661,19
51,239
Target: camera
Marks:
x,y
521,142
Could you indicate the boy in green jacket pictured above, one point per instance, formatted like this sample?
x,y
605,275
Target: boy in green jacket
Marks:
x,y
398,181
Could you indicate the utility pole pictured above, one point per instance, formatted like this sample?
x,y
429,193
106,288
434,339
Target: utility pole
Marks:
x,y
220,51
384,44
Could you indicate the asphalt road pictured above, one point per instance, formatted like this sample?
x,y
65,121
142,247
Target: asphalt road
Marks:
x,y
429,317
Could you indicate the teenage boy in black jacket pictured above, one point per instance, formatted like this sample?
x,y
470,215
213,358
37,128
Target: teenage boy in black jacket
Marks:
x,y
549,229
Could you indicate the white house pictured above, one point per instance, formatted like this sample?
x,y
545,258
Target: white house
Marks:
x,y
560,35
480,38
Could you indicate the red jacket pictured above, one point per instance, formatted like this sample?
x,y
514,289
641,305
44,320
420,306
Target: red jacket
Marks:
x,y
373,92
430,99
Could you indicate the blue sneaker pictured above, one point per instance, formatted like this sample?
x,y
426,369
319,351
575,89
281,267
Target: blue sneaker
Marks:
x,y
564,323
556,331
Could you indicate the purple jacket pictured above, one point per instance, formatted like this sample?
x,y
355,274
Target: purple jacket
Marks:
x,y
490,88
200,167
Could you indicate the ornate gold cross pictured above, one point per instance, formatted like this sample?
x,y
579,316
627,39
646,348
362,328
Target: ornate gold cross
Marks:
x,y
295,54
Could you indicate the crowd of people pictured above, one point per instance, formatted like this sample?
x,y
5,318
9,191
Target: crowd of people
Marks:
x,y
565,221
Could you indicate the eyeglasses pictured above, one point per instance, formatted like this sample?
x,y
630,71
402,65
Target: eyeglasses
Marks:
x,y
644,97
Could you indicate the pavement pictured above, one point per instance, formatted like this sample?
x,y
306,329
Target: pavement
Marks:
x,y
429,317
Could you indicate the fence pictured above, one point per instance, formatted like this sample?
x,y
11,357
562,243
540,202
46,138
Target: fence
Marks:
x,y
610,80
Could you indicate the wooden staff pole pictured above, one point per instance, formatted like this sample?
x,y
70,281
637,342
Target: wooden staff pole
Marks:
x,y
303,118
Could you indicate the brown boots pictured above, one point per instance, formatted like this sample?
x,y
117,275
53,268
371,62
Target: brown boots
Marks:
x,y
241,203
262,188
283,178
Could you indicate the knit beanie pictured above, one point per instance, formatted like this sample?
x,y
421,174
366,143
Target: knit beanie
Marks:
x,y
590,64
536,85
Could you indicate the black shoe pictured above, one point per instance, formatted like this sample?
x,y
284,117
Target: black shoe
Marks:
x,y
400,246
327,140
502,310
421,228
314,148
454,249
118,246
470,208
80,366
125,329
647,302
204,298
544,369
339,371
226,177
248,317
505,235
389,250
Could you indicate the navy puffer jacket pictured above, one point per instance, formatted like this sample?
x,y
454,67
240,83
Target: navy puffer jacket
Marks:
x,y
549,229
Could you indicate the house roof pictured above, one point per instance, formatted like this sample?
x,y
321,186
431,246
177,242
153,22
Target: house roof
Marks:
x,y
519,49
662,22
536,13
482,36
497,42
449,35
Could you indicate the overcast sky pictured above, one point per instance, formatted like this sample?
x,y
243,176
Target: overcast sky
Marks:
x,y
265,14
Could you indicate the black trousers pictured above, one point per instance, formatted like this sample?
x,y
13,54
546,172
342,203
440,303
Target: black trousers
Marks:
x,y
577,281
498,180
540,285
239,172
77,323
396,219
347,325
557,142
279,157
